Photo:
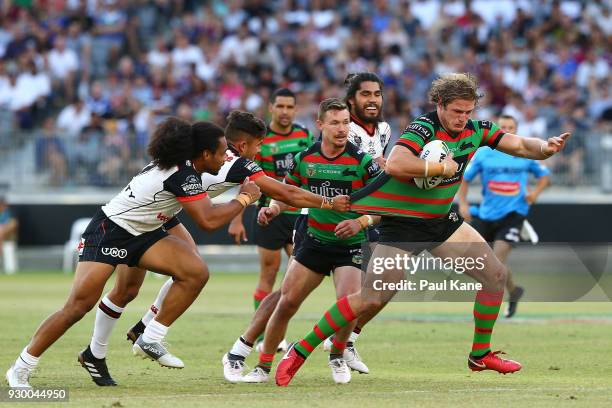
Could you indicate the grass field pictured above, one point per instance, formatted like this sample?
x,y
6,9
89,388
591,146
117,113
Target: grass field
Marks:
x,y
416,353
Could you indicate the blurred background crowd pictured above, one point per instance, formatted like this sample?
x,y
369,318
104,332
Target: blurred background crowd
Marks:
x,y
83,82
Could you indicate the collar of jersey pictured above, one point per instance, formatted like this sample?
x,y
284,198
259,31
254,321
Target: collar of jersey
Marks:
x,y
362,125
231,148
278,133
327,158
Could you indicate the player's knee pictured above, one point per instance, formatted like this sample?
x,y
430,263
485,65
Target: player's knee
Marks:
x,y
122,296
74,310
502,275
347,289
374,303
198,275
497,277
288,305
271,266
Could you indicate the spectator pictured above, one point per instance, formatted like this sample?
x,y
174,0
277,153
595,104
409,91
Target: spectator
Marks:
x,y
546,56
109,27
97,102
72,119
183,55
159,57
50,154
63,65
593,67
239,49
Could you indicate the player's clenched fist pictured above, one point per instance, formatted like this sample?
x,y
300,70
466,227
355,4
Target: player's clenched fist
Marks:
x,y
342,203
250,188
266,214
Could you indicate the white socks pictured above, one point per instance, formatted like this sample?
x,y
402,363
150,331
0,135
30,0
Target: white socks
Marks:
x,y
106,317
240,348
26,360
353,337
154,309
155,332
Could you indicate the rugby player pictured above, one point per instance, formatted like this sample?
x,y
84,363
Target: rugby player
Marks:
x,y
416,219
283,140
332,242
244,133
370,134
129,230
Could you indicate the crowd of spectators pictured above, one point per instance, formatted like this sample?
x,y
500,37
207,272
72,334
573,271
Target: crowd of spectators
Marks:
x,y
90,78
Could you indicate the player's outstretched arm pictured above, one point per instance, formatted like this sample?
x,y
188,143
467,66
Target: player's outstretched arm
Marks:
x,y
298,197
403,164
531,147
209,216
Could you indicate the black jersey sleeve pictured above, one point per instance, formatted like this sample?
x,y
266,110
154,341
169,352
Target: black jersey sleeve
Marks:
x,y
243,168
185,184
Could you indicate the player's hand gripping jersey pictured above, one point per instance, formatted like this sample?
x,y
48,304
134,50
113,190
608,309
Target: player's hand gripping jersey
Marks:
x,y
330,177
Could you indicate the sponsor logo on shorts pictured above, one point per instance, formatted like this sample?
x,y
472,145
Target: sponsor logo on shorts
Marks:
x,y
114,252
357,256
513,235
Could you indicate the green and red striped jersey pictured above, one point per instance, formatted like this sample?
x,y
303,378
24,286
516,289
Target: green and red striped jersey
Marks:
x,y
391,196
329,177
277,153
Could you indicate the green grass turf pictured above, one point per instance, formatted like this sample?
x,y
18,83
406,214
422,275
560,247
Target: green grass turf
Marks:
x,y
416,353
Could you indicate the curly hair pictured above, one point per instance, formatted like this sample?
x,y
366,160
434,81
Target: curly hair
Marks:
x,y
240,122
171,143
449,87
353,81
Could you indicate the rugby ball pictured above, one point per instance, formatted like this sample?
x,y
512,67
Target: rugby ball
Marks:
x,y
434,151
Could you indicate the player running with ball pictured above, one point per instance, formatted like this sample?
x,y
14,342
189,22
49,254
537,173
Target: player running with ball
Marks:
x,y
415,219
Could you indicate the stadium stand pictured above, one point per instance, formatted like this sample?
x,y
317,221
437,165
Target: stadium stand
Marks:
x,y
105,72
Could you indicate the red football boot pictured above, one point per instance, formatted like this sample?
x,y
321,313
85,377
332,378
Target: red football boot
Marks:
x,y
288,366
491,361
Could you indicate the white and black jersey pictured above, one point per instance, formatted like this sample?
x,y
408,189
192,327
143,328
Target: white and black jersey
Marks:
x,y
153,197
232,173
372,143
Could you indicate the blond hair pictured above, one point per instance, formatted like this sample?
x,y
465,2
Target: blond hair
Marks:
x,y
449,87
